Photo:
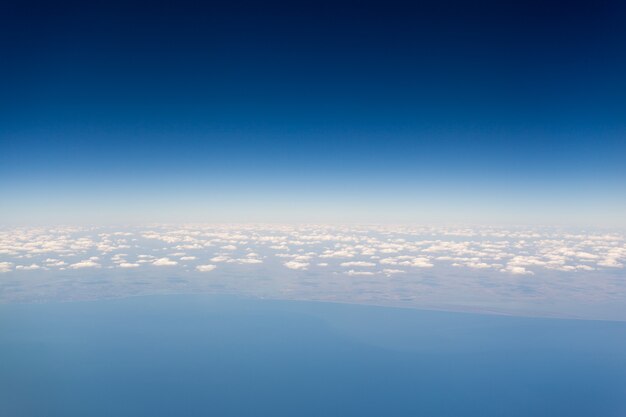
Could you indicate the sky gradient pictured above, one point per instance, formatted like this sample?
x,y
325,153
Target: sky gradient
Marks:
x,y
314,112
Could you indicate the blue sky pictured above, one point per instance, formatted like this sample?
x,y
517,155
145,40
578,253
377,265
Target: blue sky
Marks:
x,y
314,112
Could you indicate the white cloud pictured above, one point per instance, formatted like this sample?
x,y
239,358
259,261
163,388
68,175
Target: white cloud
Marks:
x,y
358,263
517,270
393,271
220,258
586,255
128,265
296,265
247,261
474,265
584,267
407,260
5,266
420,263
164,262
31,267
337,254
205,268
352,272
610,263
85,264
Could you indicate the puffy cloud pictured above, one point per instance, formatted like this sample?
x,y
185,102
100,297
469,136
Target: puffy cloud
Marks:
x,y
420,263
128,265
527,260
31,267
85,264
205,268
352,272
54,262
5,267
337,254
220,258
392,271
610,263
584,268
164,262
407,260
475,265
517,270
358,263
296,265
246,261
586,255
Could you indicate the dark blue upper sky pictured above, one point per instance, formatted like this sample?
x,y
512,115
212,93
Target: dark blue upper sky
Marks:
x,y
449,107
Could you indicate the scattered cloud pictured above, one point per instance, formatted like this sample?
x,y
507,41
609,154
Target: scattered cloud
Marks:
x,y
205,268
296,265
220,258
164,262
610,263
5,267
391,271
352,272
358,263
28,267
385,263
84,264
517,270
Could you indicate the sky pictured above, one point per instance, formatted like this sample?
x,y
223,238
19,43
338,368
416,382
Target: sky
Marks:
x,y
388,112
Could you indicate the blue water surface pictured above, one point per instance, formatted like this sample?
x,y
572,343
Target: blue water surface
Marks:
x,y
225,356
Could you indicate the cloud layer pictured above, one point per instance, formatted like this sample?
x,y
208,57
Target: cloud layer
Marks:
x,y
388,265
